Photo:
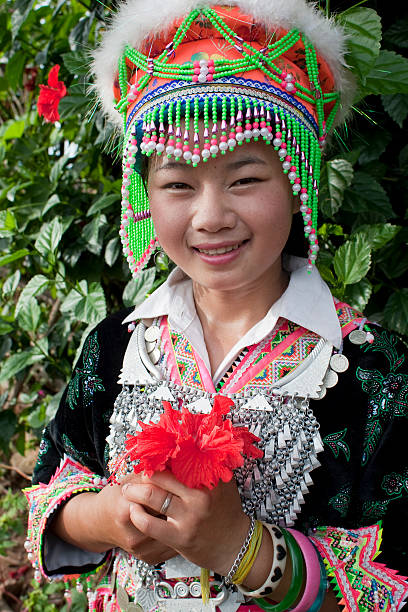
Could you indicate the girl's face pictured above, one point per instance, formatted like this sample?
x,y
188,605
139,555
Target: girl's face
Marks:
x,y
225,222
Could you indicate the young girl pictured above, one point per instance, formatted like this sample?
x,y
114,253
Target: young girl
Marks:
x,y
243,347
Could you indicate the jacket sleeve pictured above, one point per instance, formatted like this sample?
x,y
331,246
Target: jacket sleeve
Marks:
x,y
362,492
73,451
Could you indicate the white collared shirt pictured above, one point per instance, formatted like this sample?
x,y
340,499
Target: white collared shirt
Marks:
x,y
307,301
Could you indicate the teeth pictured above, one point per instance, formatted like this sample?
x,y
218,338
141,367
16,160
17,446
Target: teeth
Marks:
x,y
219,251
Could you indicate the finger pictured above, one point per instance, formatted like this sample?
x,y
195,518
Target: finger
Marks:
x,y
168,482
154,498
165,531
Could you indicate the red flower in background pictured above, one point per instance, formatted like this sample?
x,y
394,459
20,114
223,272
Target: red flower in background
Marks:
x,y
199,449
50,96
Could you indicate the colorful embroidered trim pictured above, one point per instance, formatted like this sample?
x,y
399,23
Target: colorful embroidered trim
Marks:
x,y
362,584
44,499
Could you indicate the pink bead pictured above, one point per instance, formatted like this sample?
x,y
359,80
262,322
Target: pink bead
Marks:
x,y
213,141
162,140
171,142
127,165
240,128
270,129
284,145
248,126
224,138
263,124
255,124
309,222
211,62
288,158
154,137
207,145
297,180
196,70
134,141
210,77
186,148
293,169
125,175
211,69
303,190
278,134
195,78
284,74
196,65
196,151
283,84
231,135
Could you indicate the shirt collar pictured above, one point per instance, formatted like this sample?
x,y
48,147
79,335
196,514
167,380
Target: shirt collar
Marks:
x,y
307,301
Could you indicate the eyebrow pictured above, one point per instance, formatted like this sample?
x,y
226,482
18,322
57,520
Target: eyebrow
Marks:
x,y
234,165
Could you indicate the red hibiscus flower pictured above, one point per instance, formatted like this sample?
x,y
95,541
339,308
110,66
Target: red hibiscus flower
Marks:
x,y
50,96
199,449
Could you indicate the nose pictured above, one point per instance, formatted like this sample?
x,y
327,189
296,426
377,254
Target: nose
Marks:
x,y
212,211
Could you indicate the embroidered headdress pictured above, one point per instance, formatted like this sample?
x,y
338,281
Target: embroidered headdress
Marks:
x,y
269,70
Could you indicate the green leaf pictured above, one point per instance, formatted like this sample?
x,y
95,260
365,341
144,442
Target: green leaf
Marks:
x,y
396,105
29,315
379,234
51,202
49,237
366,196
85,303
106,200
77,62
8,427
136,289
11,283
35,285
14,69
93,233
7,223
397,33
363,26
352,260
73,104
18,362
112,251
14,129
58,168
5,328
336,177
358,294
19,14
396,312
389,74
6,259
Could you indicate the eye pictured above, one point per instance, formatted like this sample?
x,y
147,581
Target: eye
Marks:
x,y
246,181
176,186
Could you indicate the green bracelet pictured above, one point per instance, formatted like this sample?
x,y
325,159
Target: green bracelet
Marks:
x,y
297,578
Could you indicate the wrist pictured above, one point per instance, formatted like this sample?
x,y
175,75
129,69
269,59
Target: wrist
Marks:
x,y
230,549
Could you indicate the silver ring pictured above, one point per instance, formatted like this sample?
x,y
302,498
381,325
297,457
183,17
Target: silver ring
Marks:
x,y
166,503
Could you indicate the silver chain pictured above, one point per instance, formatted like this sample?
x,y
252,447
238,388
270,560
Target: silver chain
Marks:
x,y
228,578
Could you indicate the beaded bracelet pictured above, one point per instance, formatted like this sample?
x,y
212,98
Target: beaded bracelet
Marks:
x,y
297,578
278,564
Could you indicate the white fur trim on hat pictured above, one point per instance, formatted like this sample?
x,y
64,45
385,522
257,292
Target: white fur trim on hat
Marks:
x,y
136,20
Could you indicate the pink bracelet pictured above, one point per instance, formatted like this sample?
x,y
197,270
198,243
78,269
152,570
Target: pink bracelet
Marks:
x,y
312,571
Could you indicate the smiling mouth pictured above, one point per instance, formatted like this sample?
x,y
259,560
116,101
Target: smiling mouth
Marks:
x,y
221,250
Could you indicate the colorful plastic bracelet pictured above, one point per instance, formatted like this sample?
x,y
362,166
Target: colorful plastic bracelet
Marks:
x,y
297,578
312,571
278,564
317,604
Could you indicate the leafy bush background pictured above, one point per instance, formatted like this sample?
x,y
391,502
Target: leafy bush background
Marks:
x,y
61,265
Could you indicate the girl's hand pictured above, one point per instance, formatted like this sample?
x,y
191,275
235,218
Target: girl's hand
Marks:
x,y
207,527
101,521
115,525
